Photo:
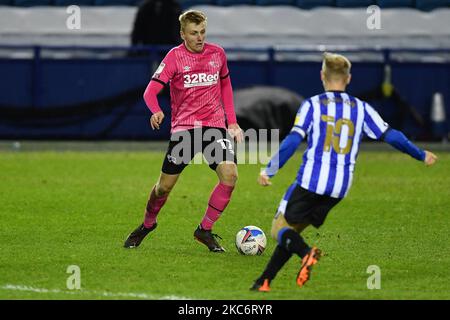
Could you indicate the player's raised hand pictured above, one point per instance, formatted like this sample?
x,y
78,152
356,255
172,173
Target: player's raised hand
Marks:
x,y
430,158
156,120
236,132
263,179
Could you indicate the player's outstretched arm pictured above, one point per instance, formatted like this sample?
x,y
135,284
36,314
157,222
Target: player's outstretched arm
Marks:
x,y
399,141
287,149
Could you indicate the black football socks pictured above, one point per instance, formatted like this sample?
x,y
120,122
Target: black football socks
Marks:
x,y
279,257
290,242
293,242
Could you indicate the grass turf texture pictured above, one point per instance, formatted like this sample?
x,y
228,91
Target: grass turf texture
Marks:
x,y
76,208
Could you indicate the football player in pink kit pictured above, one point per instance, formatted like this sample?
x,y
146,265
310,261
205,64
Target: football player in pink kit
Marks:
x,y
202,107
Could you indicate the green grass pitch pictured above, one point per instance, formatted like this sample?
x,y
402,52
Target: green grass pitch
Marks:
x,y
76,208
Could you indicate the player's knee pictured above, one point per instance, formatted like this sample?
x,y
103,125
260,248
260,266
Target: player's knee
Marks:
x,y
274,232
232,177
229,174
278,223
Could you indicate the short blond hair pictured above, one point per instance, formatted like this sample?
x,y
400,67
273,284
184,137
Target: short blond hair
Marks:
x,y
335,66
191,16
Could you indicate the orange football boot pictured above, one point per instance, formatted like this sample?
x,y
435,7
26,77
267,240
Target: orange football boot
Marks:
x,y
308,261
264,287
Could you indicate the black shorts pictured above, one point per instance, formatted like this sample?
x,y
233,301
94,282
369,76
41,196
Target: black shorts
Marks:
x,y
302,206
215,144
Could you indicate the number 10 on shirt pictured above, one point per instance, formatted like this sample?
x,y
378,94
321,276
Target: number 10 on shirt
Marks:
x,y
334,134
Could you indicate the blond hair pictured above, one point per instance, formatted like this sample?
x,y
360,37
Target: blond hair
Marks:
x,y
191,16
335,66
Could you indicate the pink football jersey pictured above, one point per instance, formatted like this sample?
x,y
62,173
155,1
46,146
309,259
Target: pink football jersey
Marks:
x,y
195,90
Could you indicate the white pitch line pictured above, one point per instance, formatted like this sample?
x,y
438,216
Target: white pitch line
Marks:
x,y
97,293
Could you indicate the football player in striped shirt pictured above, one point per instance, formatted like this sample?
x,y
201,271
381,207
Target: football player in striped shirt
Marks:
x,y
334,123
203,120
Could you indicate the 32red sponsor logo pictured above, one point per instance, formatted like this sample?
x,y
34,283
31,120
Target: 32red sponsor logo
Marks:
x,y
200,79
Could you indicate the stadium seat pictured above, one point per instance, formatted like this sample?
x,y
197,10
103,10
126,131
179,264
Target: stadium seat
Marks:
x,y
233,2
5,2
309,4
274,2
74,2
30,3
395,3
354,3
429,5
115,2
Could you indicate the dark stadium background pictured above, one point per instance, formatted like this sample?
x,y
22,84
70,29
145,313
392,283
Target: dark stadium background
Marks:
x,y
95,92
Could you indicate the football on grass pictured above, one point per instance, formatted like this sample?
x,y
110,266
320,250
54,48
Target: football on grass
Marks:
x,y
251,241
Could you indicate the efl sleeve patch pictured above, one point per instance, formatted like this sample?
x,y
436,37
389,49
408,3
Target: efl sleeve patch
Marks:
x,y
159,70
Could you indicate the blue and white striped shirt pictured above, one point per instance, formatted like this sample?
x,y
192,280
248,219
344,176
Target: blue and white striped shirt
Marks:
x,y
334,123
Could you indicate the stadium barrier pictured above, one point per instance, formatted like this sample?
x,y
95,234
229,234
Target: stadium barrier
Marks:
x,y
55,92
